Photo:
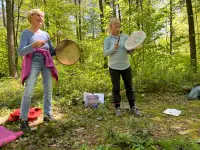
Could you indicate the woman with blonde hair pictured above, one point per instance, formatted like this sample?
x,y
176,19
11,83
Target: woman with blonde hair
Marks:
x,y
37,49
114,47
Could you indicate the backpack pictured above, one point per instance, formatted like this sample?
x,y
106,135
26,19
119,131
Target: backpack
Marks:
x,y
194,93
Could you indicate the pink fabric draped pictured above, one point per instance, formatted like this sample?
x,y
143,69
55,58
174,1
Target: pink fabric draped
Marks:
x,y
27,61
8,136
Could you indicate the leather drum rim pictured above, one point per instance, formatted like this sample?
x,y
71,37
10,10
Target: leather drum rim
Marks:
x,y
68,52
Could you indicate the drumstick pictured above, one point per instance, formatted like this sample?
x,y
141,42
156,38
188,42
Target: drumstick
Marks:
x,y
59,33
50,39
119,37
118,40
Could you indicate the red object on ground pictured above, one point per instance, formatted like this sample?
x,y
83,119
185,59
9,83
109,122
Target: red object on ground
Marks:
x,y
8,136
33,114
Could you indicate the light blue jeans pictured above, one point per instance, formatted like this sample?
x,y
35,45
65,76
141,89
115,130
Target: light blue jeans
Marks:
x,y
37,67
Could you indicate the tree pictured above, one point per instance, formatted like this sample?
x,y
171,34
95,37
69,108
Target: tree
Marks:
x,y
129,15
119,12
171,26
101,15
137,9
114,8
193,59
10,37
79,21
17,28
3,13
105,65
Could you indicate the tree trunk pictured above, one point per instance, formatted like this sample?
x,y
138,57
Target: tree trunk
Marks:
x,y
76,16
119,13
101,15
149,2
105,63
10,37
79,21
17,28
108,3
114,8
36,4
141,7
57,32
3,13
137,9
193,59
129,16
171,27
13,21
197,26
46,23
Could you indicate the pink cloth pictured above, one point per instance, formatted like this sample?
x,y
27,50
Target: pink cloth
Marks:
x,y
7,136
27,60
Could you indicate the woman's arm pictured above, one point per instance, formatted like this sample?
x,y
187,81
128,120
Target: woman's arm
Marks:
x,y
107,50
24,46
51,47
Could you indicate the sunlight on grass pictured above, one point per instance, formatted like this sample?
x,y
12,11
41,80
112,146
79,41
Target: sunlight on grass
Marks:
x,y
78,127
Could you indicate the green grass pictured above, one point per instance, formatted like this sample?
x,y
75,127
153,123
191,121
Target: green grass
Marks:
x,y
178,144
80,129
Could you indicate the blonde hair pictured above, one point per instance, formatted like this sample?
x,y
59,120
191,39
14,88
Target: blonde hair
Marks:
x,y
32,12
112,21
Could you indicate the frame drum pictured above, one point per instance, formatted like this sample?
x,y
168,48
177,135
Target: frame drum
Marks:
x,y
135,40
67,52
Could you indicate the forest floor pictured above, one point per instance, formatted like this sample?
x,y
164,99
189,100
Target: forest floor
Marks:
x,y
77,127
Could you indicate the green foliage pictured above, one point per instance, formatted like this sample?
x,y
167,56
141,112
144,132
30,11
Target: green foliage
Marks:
x,y
79,127
3,53
154,68
137,139
10,93
178,143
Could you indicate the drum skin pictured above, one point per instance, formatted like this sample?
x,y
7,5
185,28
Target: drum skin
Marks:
x,y
68,52
135,40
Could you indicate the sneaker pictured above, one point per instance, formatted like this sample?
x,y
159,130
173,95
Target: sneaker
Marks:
x,y
135,111
48,118
24,125
118,112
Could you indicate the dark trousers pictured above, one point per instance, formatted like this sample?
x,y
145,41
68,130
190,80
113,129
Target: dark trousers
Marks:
x,y
127,78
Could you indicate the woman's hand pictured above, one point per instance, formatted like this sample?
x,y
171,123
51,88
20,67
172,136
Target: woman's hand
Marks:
x,y
116,46
131,51
38,44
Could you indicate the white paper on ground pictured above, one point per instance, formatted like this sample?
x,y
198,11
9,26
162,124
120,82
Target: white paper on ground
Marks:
x,y
85,94
91,99
174,112
101,97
